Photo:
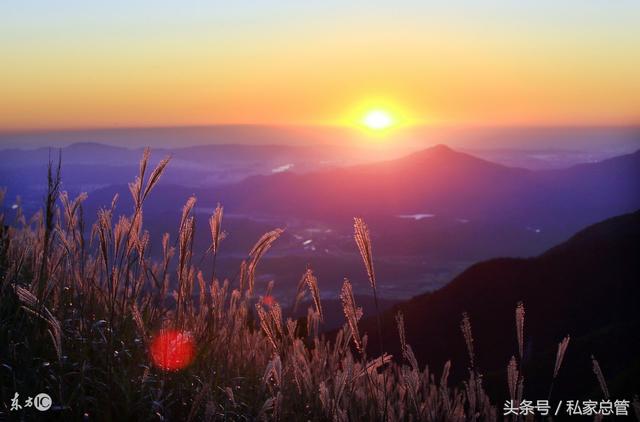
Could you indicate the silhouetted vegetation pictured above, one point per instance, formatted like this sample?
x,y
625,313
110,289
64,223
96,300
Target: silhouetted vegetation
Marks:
x,y
81,308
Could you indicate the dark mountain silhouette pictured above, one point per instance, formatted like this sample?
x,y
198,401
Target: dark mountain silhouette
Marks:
x,y
587,287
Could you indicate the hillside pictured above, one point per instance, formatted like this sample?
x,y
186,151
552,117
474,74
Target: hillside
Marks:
x,y
586,287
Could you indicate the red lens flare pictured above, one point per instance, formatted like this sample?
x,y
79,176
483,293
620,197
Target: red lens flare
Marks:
x,y
268,300
172,350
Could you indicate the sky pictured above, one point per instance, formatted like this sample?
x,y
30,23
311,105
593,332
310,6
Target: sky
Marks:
x,y
84,64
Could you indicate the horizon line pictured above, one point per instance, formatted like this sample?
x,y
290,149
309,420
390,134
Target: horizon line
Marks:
x,y
18,131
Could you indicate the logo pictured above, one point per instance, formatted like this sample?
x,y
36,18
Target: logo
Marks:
x,y
42,402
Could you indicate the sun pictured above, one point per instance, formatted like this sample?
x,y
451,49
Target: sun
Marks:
x,y
377,120
378,117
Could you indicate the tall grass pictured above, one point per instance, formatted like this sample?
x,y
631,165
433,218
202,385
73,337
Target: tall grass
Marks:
x,y
80,310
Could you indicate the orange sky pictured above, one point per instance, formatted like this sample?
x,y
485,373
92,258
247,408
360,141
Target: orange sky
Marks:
x,y
157,63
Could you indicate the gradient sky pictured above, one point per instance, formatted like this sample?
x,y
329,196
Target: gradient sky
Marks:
x,y
72,64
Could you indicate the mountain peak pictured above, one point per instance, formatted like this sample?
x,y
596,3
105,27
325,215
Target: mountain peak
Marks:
x,y
439,151
440,148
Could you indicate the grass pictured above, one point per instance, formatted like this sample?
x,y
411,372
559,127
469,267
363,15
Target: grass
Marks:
x,y
81,309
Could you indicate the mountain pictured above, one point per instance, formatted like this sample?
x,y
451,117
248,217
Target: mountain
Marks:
x,y
443,182
439,208
262,158
588,287
435,180
322,183
90,166
432,212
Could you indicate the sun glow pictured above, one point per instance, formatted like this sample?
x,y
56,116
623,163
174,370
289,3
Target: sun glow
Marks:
x,y
377,120
380,116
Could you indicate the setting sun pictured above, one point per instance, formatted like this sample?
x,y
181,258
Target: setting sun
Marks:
x,y
377,120
378,115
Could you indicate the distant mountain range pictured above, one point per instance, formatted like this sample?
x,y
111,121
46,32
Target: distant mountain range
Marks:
x,y
522,146
435,200
91,166
202,157
433,211
323,182
588,287
442,182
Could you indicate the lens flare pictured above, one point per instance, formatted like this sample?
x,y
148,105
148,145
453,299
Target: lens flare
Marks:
x,y
172,350
268,300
